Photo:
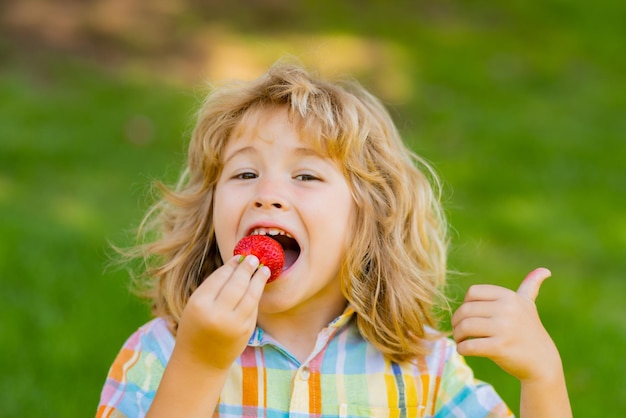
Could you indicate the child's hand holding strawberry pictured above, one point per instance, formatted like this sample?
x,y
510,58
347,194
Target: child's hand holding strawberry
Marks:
x,y
221,314
214,329
216,324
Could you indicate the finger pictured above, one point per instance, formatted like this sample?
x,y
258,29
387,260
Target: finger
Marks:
x,y
250,301
478,309
214,283
237,284
479,347
529,288
472,328
484,292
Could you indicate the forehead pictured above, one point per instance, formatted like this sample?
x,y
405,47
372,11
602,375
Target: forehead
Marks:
x,y
265,122
260,123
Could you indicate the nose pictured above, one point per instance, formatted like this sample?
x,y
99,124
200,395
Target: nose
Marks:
x,y
260,204
270,195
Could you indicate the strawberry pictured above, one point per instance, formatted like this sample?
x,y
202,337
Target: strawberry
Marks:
x,y
269,252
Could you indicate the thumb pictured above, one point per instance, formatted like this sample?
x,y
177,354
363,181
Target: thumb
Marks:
x,y
532,282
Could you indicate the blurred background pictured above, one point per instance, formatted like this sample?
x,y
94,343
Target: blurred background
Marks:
x,y
519,105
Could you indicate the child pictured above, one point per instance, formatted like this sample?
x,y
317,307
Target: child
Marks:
x,y
347,329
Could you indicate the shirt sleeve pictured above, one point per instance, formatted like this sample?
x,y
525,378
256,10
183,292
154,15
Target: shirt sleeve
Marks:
x,y
461,395
134,376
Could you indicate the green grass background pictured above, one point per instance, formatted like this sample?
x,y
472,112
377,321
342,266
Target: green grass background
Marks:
x,y
520,107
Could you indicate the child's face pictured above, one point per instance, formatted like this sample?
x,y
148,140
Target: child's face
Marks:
x,y
273,180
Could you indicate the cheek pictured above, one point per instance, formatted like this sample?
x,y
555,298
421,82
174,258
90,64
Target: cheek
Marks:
x,y
347,223
338,226
345,208
225,221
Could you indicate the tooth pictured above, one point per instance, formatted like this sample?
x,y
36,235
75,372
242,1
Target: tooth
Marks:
x,y
270,231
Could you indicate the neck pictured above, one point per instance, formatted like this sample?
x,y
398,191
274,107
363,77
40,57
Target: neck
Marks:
x,y
298,331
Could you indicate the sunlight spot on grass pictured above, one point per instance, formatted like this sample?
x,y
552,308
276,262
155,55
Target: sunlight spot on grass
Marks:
x,y
383,63
7,188
74,213
619,229
521,210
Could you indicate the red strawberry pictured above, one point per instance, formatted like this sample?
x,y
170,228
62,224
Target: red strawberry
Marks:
x,y
269,252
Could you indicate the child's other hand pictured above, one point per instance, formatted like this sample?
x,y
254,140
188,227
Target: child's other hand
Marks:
x,y
504,326
221,314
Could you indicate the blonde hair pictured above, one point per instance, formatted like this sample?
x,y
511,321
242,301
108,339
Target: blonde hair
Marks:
x,y
395,268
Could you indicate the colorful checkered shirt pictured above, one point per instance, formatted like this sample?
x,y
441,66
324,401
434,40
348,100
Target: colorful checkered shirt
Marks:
x,y
345,376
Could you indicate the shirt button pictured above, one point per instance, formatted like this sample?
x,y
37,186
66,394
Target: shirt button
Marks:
x,y
305,374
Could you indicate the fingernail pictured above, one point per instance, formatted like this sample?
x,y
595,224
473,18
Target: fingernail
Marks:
x,y
265,270
254,261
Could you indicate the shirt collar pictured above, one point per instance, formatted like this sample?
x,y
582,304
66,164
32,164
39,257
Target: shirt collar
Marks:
x,y
259,337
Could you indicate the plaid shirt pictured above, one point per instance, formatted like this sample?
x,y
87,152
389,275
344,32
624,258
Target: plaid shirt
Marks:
x,y
345,376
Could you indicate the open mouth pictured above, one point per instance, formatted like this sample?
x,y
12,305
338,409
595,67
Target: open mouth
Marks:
x,y
290,247
289,244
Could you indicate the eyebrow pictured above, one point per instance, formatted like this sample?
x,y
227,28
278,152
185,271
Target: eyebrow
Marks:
x,y
308,152
244,150
301,151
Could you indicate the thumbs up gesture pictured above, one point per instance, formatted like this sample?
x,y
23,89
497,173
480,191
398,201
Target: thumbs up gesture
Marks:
x,y
504,325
